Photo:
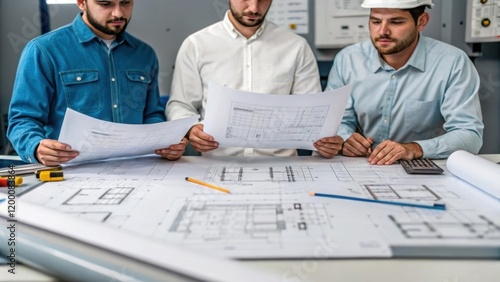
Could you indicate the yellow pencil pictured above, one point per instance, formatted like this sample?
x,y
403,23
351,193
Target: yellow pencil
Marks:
x,y
208,185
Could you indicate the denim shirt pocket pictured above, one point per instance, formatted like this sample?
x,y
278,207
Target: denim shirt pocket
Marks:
x,y
138,85
81,89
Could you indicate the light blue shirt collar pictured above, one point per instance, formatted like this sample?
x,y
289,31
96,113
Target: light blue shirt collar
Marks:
x,y
417,59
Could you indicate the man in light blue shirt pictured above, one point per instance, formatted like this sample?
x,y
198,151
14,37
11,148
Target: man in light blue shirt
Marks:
x,y
92,66
412,96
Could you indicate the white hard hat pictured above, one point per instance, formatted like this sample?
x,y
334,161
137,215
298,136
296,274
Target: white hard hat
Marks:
x,y
396,4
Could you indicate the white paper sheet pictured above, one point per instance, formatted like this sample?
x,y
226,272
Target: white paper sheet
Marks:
x,y
244,119
173,258
270,214
97,139
479,172
260,219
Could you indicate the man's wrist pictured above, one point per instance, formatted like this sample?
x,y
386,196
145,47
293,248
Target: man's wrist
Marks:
x,y
189,132
415,150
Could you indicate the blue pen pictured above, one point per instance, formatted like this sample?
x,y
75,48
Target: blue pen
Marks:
x,y
435,206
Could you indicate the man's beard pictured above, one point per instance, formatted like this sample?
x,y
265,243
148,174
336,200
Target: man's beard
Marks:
x,y
400,45
239,18
117,31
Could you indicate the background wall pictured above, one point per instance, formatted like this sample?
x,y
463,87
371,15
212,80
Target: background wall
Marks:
x,y
164,24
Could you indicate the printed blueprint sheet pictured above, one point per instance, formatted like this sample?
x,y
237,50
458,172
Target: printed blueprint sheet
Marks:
x,y
245,119
269,213
96,139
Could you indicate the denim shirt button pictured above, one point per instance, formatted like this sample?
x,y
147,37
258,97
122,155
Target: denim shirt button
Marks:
x,y
142,78
78,78
115,106
113,79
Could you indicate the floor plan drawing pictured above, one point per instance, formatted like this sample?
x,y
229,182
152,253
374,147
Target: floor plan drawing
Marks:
x,y
272,228
402,192
267,123
295,172
269,212
149,167
448,227
112,196
261,174
456,232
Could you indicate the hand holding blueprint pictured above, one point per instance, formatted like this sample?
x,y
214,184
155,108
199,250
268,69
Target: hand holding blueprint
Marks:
x,y
243,119
97,139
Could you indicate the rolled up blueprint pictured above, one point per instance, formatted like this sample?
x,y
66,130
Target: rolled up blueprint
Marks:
x,y
477,171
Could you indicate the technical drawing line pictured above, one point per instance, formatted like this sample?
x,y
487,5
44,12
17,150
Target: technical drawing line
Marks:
x,y
435,206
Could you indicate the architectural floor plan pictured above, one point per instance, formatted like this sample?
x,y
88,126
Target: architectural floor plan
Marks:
x,y
269,213
269,124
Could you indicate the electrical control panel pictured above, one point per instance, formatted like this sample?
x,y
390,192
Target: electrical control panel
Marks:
x,y
483,21
339,23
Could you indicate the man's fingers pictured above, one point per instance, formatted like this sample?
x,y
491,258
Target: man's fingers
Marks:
x,y
388,152
51,152
328,150
204,148
55,145
353,149
49,160
202,145
170,154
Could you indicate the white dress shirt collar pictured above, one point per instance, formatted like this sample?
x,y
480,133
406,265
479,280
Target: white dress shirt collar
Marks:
x,y
228,25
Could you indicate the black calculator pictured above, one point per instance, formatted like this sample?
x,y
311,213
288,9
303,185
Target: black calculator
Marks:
x,y
421,166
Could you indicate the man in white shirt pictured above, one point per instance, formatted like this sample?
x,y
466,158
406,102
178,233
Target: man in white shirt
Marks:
x,y
244,51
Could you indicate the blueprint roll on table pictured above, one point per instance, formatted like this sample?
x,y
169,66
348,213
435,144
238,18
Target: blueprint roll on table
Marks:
x,y
478,171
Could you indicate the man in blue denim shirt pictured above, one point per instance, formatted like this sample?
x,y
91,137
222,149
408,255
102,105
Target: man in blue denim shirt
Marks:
x,y
92,66
411,96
